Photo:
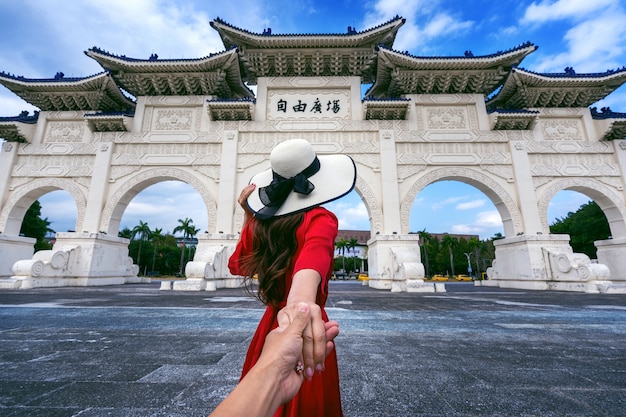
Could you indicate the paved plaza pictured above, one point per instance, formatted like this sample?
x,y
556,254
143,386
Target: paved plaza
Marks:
x,y
135,350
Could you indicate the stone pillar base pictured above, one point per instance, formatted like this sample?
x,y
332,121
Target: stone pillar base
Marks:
x,y
545,262
395,264
612,253
209,269
78,259
13,249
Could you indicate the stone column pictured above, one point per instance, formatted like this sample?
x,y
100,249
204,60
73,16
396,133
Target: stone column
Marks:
x,y
98,188
227,192
389,183
525,190
8,156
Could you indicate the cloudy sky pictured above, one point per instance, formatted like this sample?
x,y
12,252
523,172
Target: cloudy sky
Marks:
x,y
40,38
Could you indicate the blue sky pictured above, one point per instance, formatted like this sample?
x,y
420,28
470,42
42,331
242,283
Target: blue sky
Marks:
x,y
40,38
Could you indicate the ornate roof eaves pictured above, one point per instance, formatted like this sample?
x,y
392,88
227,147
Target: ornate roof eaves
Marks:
x,y
101,84
233,36
120,62
522,80
511,58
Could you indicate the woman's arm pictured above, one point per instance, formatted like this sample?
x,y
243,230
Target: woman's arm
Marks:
x,y
304,288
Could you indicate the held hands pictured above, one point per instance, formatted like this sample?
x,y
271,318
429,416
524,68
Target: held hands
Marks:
x,y
317,336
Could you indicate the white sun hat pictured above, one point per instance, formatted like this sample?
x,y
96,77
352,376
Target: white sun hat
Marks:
x,y
299,179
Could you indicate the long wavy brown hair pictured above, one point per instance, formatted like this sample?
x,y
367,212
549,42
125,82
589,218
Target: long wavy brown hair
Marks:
x,y
274,244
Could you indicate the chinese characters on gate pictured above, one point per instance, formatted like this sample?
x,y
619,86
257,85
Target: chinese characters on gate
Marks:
x,y
304,106
316,107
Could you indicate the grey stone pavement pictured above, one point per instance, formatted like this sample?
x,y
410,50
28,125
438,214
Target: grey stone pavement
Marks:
x,y
134,350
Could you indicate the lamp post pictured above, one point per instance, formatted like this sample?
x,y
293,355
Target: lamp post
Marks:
x,y
469,264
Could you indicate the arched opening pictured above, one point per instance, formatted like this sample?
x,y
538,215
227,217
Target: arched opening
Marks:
x,y
59,209
577,215
162,220
354,232
457,223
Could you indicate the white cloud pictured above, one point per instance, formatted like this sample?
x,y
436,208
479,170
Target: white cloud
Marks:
x,y
470,205
595,39
563,9
452,200
412,36
488,219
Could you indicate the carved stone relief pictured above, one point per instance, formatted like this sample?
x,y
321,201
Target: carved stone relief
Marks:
x,y
64,132
562,129
173,119
573,165
446,118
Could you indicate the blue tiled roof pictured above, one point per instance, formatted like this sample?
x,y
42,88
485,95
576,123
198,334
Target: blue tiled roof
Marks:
x,y
153,57
59,77
569,72
467,54
351,30
23,118
606,113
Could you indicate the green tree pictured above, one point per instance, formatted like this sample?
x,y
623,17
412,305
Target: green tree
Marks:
x,y
156,237
341,246
186,227
142,230
584,227
425,237
451,243
34,226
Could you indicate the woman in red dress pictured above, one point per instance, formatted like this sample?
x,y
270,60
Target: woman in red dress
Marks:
x,y
288,242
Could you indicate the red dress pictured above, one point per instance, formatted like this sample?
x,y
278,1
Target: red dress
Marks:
x,y
316,247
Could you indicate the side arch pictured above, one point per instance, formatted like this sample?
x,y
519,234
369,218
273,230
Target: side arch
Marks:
x,y
21,199
611,203
372,205
117,203
509,212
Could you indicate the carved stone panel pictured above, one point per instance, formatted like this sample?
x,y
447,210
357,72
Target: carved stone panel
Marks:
x,y
562,129
64,132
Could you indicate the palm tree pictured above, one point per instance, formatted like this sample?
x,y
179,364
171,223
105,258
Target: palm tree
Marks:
x,y
157,237
475,244
185,226
192,232
425,237
341,245
450,242
143,231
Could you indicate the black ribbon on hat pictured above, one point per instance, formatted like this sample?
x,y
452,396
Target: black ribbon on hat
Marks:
x,y
274,195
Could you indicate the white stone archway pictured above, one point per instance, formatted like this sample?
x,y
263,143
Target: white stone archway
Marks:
x,y
513,134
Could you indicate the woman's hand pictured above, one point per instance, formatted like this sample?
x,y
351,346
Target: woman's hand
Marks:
x,y
242,200
314,347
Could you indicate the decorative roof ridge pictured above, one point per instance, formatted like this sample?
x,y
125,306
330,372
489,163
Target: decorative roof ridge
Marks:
x,y
569,72
385,99
233,100
59,77
23,117
467,55
606,113
154,57
513,111
349,33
